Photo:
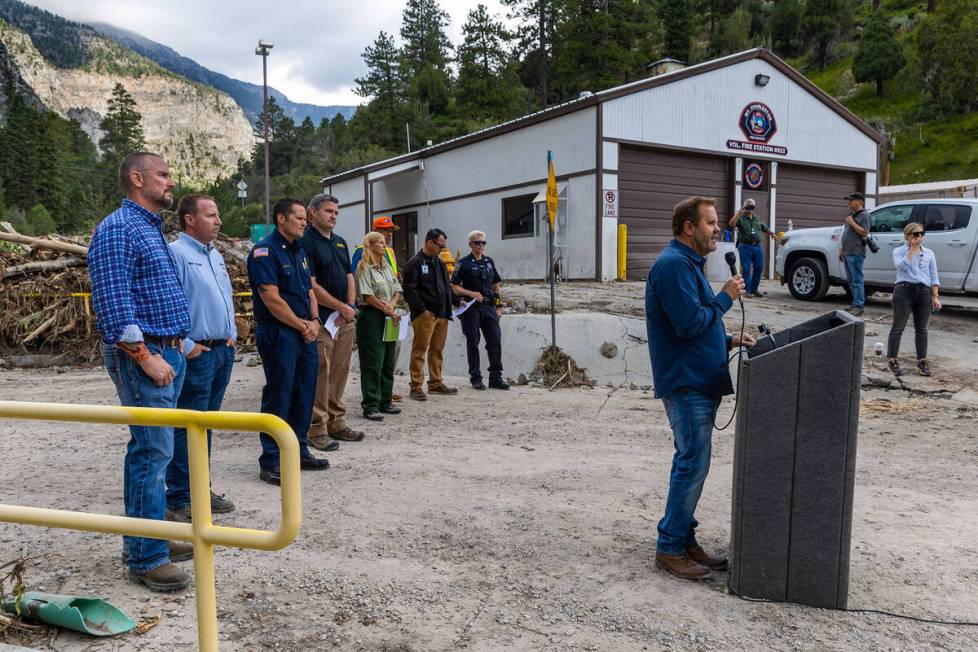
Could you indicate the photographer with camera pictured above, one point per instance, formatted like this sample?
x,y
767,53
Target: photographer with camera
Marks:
x,y
750,233
853,250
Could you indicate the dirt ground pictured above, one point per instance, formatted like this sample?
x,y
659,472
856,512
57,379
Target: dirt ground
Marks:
x,y
523,521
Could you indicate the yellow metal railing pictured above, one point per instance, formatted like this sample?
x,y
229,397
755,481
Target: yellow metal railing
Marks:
x,y
201,532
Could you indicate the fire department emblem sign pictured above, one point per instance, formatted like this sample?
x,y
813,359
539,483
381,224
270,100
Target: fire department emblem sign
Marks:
x,y
754,176
757,122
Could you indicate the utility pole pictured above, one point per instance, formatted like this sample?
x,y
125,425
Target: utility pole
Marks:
x,y
262,51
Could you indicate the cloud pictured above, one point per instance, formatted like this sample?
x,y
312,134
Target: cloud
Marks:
x,y
318,43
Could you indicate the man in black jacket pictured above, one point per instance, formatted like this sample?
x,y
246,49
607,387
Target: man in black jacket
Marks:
x,y
428,293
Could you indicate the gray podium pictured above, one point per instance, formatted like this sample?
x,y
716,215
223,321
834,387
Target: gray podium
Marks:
x,y
795,463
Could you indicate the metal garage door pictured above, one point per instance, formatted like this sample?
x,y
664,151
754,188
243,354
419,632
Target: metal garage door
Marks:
x,y
810,196
650,184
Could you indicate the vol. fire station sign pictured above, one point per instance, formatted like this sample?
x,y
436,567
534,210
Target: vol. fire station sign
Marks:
x,y
758,125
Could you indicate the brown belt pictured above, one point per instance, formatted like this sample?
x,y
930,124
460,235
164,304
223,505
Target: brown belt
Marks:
x,y
173,342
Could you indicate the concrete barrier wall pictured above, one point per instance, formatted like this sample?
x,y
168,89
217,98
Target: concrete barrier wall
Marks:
x,y
579,334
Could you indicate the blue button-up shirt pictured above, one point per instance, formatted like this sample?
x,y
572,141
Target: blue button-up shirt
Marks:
x,y
135,288
922,269
684,319
205,280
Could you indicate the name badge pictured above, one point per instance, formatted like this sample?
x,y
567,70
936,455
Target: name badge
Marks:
x,y
424,268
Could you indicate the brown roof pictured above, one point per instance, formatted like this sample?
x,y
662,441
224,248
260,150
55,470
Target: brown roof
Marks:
x,y
614,93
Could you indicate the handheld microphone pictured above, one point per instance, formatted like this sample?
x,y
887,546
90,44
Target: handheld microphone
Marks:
x,y
731,259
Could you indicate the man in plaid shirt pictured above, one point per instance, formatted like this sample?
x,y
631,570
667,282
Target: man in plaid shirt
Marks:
x,y
142,315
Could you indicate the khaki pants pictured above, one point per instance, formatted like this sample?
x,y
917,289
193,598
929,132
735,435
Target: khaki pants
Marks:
x,y
429,337
328,411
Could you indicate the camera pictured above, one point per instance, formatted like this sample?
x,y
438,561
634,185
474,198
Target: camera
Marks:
x,y
870,241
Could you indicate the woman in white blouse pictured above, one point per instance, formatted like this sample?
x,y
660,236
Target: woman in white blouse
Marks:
x,y
916,291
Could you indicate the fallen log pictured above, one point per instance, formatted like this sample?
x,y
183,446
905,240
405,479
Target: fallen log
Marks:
x,y
41,266
39,243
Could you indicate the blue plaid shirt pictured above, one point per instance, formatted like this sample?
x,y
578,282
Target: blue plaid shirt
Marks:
x,y
135,287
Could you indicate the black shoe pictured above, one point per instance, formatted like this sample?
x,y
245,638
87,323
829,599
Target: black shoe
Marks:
x,y
373,416
313,463
479,385
498,384
855,311
271,476
390,408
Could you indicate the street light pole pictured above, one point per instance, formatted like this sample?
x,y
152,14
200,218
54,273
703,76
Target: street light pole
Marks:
x,y
262,51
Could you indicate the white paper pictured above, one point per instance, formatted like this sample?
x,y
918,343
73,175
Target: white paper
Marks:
x,y
331,327
462,308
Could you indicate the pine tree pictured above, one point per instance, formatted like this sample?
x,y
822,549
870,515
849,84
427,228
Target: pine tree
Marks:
x,y
488,85
381,121
122,126
677,22
603,45
822,22
879,56
948,48
535,39
426,53
423,25
785,27
122,134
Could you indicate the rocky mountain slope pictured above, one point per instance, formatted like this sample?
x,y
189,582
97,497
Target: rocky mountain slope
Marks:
x,y
201,131
248,96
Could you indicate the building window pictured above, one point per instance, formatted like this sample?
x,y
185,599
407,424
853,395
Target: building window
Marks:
x,y
518,217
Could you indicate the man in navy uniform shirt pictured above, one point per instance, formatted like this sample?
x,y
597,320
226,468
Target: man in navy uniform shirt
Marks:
x,y
476,277
287,317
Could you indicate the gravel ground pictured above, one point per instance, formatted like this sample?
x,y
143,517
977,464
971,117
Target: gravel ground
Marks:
x,y
520,521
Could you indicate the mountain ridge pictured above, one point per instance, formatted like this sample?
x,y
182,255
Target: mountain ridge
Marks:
x,y
247,95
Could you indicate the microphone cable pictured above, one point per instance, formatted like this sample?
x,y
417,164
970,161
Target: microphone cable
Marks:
x,y
731,260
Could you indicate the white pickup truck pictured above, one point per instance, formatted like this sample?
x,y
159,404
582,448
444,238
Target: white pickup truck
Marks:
x,y
808,259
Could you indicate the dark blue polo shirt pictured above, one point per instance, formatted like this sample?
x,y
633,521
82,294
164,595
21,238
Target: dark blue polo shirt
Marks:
x,y
331,264
684,319
477,275
276,261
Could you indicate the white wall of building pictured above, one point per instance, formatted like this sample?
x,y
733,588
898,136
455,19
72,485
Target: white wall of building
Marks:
x,y
350,225
510,158
702,112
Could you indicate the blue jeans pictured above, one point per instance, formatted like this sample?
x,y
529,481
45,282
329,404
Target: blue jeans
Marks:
x,y
207,377
691,415
854,274
752,262
291,367
150,447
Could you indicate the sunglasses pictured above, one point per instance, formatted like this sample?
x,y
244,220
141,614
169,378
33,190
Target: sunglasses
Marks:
x,y
917,234
481,243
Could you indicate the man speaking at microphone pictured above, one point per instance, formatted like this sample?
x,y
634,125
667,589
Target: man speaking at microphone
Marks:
x,y
688,347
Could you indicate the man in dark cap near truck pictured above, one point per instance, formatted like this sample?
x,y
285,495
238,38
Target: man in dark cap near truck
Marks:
x,y
852,251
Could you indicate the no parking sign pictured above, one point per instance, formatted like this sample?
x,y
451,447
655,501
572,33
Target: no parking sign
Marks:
x,y
610,203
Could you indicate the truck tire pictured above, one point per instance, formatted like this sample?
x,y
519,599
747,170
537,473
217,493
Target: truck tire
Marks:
x,y
808,279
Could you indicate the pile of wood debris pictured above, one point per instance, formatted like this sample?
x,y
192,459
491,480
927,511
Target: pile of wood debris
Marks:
x,y
45,293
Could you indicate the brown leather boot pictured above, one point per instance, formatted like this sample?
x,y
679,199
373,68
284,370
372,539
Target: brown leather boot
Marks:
x,y
681,566
165,578
703,558
180,550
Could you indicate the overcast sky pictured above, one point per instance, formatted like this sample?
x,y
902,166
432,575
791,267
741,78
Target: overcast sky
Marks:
x,y
318,43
